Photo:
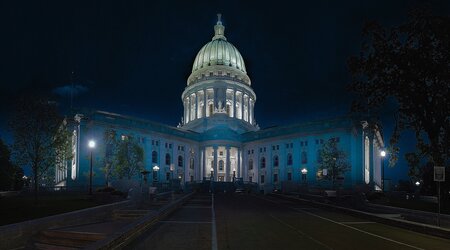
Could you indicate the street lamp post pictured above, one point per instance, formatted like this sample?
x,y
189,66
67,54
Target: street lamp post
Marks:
x,y
304,172
155,175
382,154
91,146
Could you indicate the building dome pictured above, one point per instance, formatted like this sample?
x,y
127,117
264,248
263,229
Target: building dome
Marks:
x,y
219,52
219,57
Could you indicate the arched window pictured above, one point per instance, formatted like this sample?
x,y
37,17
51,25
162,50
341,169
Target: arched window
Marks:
x,y
191,163
319,157
250,164
180,161
154,157
289,159
168,159
304,158
275,161
263,162
221,165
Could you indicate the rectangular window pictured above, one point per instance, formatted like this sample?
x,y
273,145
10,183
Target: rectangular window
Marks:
x,y
192,178
264,149
289,177
262,179
275,177
250,179
165,145
260,150
153,142
278,147
273,147
252,151
292,145
157,143
301,143
287,145
306,143
167,176
170,145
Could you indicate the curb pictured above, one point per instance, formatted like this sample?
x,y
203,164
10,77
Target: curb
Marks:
x,y
413,226
126,235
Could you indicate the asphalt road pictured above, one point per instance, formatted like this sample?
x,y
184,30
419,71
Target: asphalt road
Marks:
x,y
241,221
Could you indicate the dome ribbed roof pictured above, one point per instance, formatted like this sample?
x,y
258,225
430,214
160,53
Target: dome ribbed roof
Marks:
x,y
219,52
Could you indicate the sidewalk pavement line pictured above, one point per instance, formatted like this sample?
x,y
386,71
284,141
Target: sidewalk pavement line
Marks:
x,y
300,232
354,228
185,222
213,228
357,222
196,207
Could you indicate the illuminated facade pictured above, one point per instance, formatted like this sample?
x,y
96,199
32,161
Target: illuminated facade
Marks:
x,y
218,135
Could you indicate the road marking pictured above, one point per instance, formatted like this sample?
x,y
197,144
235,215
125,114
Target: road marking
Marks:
x,y
186,222
357,222
300,232
213,228
339,223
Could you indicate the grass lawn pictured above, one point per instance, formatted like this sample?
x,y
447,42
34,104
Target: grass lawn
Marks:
x,y
22,207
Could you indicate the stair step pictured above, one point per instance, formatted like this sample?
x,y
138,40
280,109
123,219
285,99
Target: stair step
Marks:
x,y
43,246
88,236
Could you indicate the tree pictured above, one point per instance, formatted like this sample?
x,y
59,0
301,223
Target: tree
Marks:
x,y
111,144
408,65
129,158
333,160
41,138
10,174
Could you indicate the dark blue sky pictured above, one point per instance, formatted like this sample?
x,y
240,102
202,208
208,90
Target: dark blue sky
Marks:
x,y
134,57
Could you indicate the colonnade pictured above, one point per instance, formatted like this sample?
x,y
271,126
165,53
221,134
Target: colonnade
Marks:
x,y
223,163
235,103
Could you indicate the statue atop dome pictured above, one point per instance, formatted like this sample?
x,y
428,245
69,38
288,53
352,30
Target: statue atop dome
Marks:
x,y
219,29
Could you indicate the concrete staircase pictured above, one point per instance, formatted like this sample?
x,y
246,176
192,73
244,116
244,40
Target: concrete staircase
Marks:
x,y
129,214
64,240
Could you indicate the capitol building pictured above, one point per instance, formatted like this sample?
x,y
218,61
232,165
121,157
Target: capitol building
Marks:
x,y
218,137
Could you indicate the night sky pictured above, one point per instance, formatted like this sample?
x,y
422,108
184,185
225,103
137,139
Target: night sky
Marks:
x,y
134,57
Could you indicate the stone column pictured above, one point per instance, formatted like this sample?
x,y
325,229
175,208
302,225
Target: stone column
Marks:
x,y
242,106
238,170
228,164
248,109
204,102
189,109
196,106
215,163
203,174
234,103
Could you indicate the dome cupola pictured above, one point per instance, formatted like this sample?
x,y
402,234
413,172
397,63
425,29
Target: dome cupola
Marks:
x,y
218,91
218,56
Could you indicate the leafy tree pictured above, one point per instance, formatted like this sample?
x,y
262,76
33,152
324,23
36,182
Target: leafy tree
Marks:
x,y
111,145
129,158
41,138
333,160
408,65
10,174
